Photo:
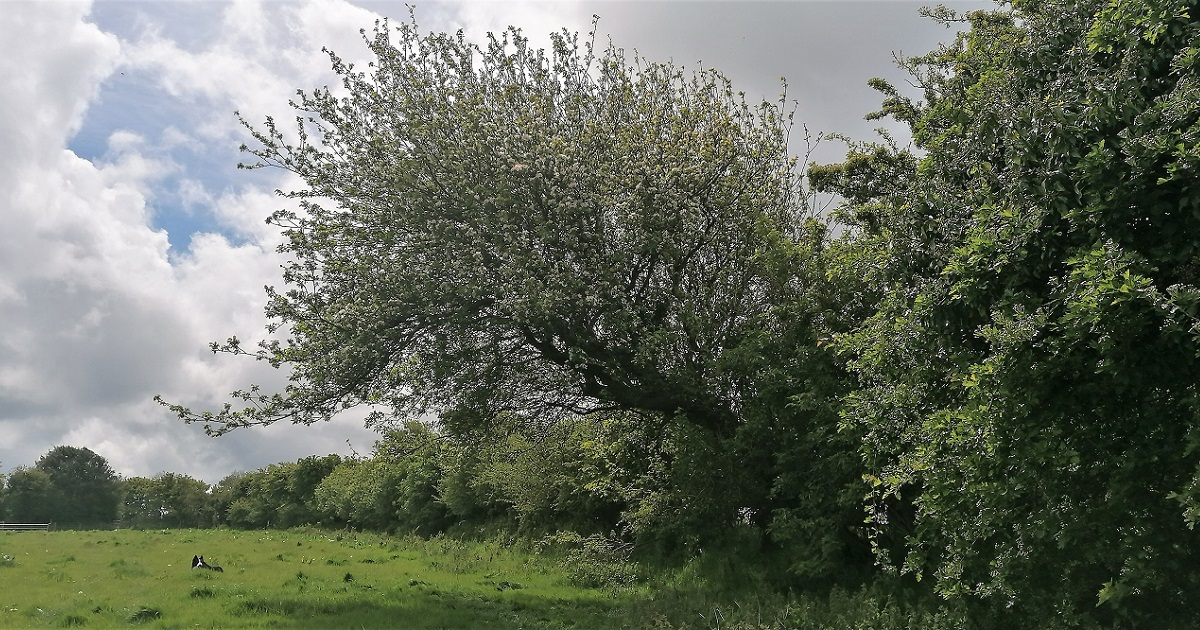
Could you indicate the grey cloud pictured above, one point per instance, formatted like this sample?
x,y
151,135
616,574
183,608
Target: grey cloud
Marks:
x,y
826,50
102,347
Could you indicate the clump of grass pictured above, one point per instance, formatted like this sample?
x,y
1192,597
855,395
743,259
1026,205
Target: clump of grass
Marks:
x,y
202,575
7,561
202,593
144,614
56,576
123,569
71,621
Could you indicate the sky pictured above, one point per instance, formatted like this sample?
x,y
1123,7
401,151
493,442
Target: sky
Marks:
x,y
129,240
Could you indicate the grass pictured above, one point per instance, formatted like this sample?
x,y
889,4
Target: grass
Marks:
x,y
284,579
315,579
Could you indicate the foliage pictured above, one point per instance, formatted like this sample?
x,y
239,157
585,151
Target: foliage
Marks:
x,y
467,500
419,452
296,497
30,497
539,477
361,494
280,495
593,561
85,483
1028,401
678,487
69,486
238,502
139,505
167,500
396,490
524,231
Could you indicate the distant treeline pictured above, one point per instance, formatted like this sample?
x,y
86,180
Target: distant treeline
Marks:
x,y
595,475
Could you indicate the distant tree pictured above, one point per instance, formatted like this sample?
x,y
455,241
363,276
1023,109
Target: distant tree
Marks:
x,y
31,497
182,501
460,492
238,504
419,452
140,506
362,494
395,490
545,478
86,484
280,495
303,476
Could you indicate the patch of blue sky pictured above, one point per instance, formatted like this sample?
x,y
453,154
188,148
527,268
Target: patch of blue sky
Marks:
x,y
196,172
131,101
190,24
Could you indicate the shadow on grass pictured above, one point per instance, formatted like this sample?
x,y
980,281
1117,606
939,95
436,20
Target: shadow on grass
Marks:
x,y
428,609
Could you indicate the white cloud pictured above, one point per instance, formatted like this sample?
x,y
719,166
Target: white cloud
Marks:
x,y
333,25
99,318
47,87
536,19
258,55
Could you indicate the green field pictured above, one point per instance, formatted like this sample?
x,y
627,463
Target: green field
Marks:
x,y
289,579
315,579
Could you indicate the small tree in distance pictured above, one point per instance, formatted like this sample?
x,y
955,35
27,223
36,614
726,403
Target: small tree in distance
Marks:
x,y
85,484
30,497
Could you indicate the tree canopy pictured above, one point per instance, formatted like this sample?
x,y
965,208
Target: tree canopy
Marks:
x,y
30,497
166,500
85,485
503,229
